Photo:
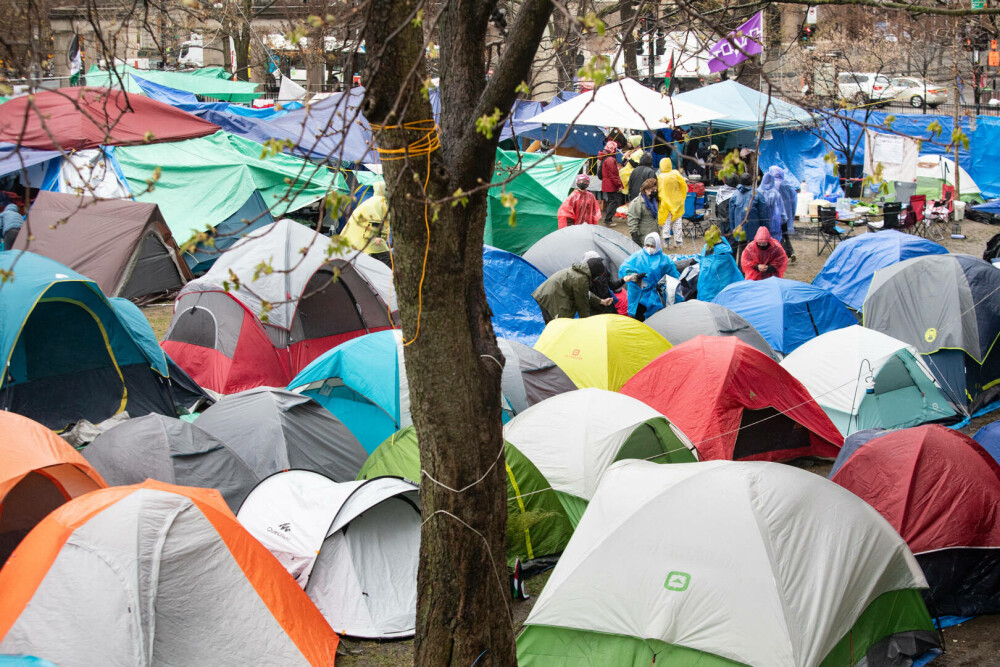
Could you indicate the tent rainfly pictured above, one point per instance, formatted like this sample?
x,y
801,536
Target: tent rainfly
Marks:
x,y
683,321
746,108
564,247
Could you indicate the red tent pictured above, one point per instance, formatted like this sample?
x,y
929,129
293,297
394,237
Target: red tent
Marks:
x,y
734,402
79,118
941,491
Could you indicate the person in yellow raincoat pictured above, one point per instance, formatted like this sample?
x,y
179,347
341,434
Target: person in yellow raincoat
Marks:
x,y
673,190
368,227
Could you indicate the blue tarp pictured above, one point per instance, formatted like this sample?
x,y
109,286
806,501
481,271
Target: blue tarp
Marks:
x,y
801,153
744,107
13,159
331,129
589,140
849,270
516,123
509,282
787,313
989,437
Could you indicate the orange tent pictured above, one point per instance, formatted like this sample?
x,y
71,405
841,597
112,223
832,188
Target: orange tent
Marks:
x,y
150,574
39,471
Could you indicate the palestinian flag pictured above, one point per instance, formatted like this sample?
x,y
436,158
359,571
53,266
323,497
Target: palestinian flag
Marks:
x,y
75,61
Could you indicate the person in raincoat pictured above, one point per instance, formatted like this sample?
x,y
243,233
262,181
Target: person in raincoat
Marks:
x,y
747,208
643,212
640,175
642,273
611,182
717,267
581,207
570,292
630,160
775,205
764,258
11,221
782,182
368,227
605,286
673,190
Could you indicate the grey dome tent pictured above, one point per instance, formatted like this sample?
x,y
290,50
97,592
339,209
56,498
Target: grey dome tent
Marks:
x,y
274,429
683,321
564,247
353,547
529,376
173,451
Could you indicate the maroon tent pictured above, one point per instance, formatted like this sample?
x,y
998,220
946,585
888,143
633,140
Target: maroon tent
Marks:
x,y
78,118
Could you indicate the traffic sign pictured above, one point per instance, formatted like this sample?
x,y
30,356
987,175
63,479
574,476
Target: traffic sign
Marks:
x,y
978,4
994,59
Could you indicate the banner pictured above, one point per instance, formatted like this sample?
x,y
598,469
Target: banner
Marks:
x,y
737,46
75,61
232,57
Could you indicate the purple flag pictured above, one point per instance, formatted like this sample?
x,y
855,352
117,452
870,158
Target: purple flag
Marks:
x,y
738,45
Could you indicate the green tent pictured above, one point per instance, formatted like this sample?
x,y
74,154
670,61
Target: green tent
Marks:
x,y
540,184
206,180
537,524
206,86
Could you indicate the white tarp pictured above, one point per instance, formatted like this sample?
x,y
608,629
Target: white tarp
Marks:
x,y
897,155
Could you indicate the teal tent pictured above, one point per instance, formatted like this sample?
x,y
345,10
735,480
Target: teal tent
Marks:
x,y
209,85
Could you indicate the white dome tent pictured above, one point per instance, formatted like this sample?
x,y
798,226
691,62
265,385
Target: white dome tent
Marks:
x,y
363,580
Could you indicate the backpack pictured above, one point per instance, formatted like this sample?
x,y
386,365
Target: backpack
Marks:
x,y
992,248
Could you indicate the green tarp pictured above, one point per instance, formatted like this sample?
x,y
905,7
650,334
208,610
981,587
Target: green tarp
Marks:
x,y
204,181
204,85
211,73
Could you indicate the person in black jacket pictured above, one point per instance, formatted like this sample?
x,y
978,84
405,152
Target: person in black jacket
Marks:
x,y
640,174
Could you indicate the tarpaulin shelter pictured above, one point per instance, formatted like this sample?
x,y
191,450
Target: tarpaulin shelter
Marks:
x,y
539,183
539,521
330,130
601,351
124,246
565,138
744,108
273,429
865,379
803,154
720,564
39,471
204,182
77,118
516,123
847,272
786,312
94,580
735,402
172,451
573,438
65,352
509,282
253,215
227,340
683,321
565,247
941,491
128,79
352,546
948,308
988,438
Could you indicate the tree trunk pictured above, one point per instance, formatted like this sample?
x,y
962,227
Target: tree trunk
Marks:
x,y
241,42
627,19
453,363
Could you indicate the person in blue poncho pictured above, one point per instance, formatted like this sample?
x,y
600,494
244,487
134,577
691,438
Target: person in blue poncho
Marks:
x,y
717,266
775,205
782,182
642,273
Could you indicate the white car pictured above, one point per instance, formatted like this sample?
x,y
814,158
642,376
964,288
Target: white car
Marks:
x,y
913,90
864,87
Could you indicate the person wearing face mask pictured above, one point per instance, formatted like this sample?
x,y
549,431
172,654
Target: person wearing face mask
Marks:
x,y
570,292
643,212
642,273
764,258
604,285
581,207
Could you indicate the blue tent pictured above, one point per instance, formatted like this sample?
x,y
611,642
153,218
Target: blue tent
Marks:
x,y
848,271
67,352
745,107
786,313
509,282
989,437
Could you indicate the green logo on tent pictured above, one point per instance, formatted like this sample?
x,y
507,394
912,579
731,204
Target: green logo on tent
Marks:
x,y
677,581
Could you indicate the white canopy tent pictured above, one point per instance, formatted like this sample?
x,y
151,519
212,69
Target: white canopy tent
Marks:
x,y
628,105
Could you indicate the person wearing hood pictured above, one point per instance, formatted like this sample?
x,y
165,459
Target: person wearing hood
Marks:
x,y
643,212
640,175
764,258
722,199
368,227
570,292
10,224
611,182
673,189
605,285
716,266
775,205
642,273
581,207
789,198
747,208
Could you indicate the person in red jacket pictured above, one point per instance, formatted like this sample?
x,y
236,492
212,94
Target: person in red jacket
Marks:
x,y
764,258
611,182
581,207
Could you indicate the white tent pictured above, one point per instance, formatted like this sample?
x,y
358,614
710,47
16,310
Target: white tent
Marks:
x,y
839,367
363,580
936,169
628,105
720,562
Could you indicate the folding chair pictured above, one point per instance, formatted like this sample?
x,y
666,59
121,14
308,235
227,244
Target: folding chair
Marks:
x,y
890,217
829,233
914,222
940,214
694,215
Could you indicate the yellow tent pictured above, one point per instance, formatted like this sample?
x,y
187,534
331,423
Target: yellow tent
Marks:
x,y
603,351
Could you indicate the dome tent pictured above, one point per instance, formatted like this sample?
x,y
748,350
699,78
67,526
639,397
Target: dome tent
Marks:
x,y
764,565
39,471
835,367
564,247
273,429
529,376
941,491
95,578
352,546
734,402
988,438
683,321
172,451
509,283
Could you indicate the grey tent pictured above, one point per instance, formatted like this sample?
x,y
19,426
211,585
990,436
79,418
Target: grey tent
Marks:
x,y
123,246
683,321
564,247
173,451
274,430
529,376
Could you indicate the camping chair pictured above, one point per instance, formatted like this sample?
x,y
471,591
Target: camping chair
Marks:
x,y
940,213
914,221
890,217
694,215
829,233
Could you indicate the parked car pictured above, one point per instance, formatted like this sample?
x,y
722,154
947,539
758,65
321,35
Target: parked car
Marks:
x,y
864,87
913,90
